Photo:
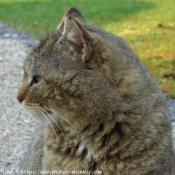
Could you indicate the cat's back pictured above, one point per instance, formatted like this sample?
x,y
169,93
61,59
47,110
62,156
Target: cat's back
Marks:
x,y
126,64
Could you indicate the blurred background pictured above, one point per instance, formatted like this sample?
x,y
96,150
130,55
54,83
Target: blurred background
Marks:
x,y
148,26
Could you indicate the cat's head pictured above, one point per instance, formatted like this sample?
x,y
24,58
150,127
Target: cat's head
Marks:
x,y
67,73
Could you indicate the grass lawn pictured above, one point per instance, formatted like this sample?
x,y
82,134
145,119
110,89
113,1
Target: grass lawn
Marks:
x,y
148,25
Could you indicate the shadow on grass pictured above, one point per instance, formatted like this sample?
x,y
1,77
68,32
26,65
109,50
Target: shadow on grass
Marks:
x,y
39,18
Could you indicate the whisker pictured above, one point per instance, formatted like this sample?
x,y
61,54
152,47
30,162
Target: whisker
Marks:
x,y
48,117
51,125
54,122
61,118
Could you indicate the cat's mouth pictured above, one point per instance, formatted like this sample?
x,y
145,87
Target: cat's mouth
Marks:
x,y
37,108
41,113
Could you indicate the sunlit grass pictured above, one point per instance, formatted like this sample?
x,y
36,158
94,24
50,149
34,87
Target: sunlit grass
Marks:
x,y
148,25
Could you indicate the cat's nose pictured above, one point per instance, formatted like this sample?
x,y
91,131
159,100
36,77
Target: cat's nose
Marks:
x,y
20,98
21,94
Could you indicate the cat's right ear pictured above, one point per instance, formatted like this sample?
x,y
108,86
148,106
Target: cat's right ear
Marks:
x,y
75,14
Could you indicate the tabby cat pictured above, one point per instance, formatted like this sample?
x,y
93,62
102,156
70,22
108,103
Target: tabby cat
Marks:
x,y
104,111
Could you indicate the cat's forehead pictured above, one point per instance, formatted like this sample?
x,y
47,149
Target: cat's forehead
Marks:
x,y
29,65
41,53
47,43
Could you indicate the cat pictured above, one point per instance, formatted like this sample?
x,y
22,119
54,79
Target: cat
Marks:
x,y
106,113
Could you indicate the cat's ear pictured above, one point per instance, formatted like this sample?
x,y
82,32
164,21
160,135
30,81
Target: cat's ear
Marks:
x,y
74,13
79,37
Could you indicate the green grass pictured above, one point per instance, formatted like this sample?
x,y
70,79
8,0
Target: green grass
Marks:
x,y
148,25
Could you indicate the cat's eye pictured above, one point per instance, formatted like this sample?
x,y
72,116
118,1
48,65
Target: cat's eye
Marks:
x,y
35,79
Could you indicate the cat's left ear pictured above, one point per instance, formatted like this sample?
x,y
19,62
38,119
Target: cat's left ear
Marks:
x,y
75,14
79,37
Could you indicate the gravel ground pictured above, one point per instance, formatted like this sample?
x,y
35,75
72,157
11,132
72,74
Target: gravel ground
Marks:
x,y
16,126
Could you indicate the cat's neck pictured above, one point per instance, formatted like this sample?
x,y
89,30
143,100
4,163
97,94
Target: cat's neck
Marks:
x,y
95,142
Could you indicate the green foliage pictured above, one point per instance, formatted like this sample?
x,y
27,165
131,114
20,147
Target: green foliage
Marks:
x,y
148,25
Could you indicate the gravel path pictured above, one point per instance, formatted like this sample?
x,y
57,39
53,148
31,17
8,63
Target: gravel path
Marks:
x,y
16,126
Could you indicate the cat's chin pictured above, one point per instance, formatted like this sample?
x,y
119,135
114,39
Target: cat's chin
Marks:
x,y
39,117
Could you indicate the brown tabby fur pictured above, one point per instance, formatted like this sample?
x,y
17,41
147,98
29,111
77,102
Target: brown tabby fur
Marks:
x,y
109,113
